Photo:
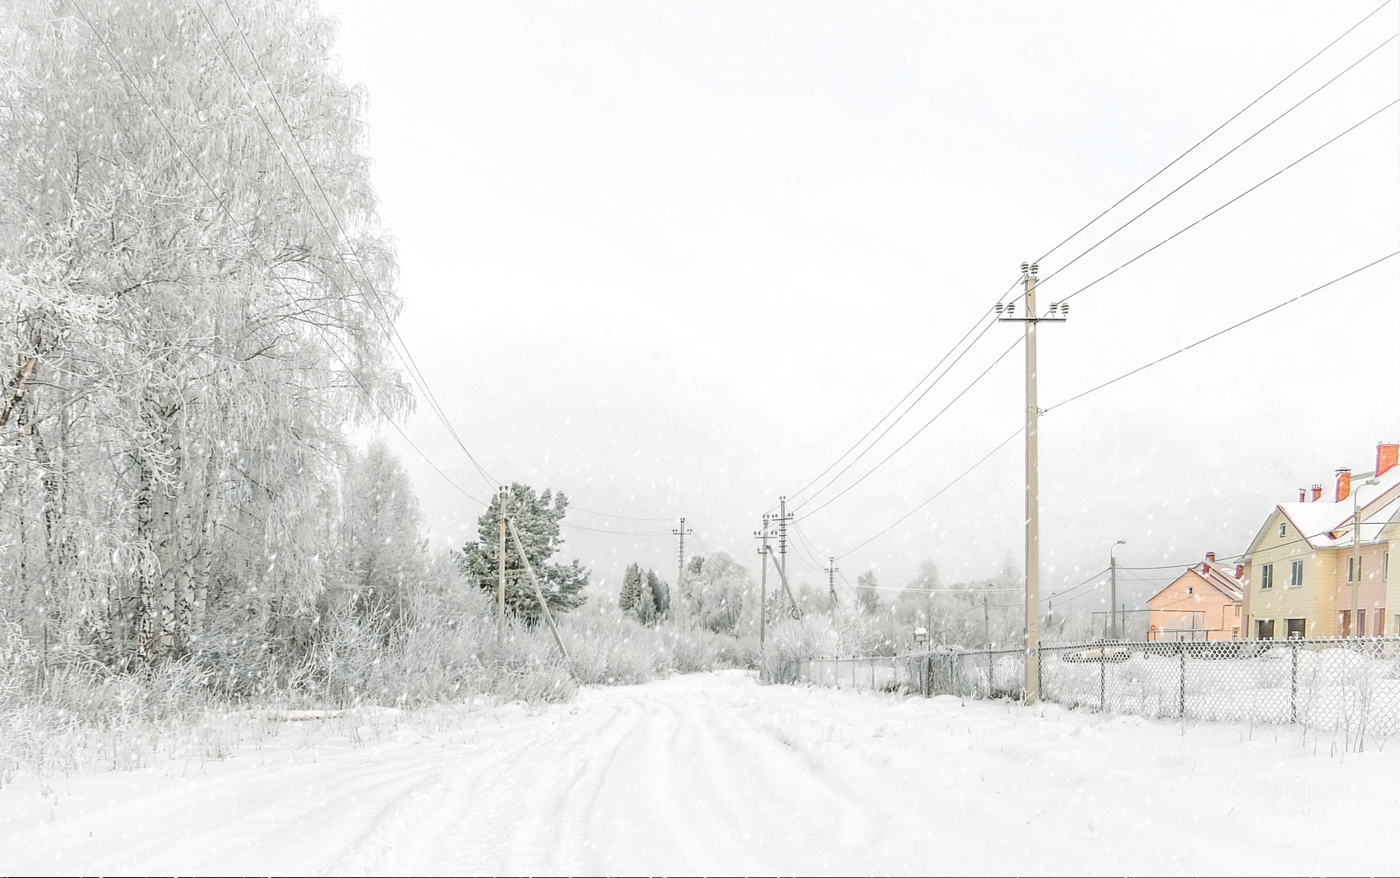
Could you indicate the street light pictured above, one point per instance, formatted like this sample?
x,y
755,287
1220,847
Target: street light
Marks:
x,y
1356,550
1113,586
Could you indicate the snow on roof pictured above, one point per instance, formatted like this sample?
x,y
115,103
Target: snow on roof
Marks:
x,y
1326,523
1223,582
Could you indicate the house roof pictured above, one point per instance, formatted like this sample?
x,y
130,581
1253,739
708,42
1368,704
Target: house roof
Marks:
x,y
1210,573
1325,523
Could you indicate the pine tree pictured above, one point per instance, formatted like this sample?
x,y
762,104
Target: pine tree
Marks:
x,y
631,597
537,519
660,594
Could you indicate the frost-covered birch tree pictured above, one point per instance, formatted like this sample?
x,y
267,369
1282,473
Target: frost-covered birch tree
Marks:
x,y
195,297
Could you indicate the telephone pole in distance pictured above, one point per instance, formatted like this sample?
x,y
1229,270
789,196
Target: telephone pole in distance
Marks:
x,y
681,532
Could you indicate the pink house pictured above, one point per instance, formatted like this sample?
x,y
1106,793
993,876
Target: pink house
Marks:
x,y
1204,603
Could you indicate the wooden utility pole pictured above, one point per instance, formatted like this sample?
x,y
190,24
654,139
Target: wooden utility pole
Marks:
x,y
501,571
539,595
831,571
796,610
781,561
986,626
1031,320
763,584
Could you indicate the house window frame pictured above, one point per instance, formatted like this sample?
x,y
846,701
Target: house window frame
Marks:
x,y
1282,529
1266,577
1295,575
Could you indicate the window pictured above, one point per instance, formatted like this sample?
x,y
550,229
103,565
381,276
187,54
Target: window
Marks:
x,y
1295,579
1266,578
1283,528
1237,611
1385,566
1265,628
1380,622
1190,589
1360,623
1297,629
1344,629
1353,560
1234,633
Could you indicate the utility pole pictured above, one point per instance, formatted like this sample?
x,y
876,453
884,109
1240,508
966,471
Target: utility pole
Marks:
x,y
763,584
681,532
501,570
1031,320
831,571
1113,586
783,518
986,626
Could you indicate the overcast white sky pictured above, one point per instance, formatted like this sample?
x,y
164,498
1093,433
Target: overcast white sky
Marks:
x,y
673,259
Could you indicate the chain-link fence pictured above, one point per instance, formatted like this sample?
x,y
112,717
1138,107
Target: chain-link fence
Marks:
x,y
1351,686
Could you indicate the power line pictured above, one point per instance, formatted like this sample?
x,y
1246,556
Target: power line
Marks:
x,y
935,495
892,424
1082,228
396,342
1192,225
1226,155
906,396
1223,331
392,334
1217,129
1074,587
916,433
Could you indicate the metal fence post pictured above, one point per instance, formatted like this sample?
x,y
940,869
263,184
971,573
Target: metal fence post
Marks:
x,y
1103,675
1181,695
1293,688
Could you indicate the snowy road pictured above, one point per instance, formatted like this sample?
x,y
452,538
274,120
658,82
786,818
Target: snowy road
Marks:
x,y
713,773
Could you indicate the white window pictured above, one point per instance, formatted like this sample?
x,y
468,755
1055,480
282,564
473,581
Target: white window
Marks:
x,y
1295,579
1266,577
1190,589
1353,576
1283,528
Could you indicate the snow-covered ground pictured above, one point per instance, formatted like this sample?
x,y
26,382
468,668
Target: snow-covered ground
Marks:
x,y
714,773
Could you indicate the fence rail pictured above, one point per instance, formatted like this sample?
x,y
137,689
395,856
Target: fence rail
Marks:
x,y
1349,685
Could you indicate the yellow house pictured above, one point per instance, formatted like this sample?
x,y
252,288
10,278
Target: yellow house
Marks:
x,y
1300,570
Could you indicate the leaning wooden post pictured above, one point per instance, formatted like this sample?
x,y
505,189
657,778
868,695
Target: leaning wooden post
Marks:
x,y
544,608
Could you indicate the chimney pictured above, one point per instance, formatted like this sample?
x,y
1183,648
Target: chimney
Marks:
x,y
1387,456
1317,492
1239,571
1210,559
1343,484
1302,495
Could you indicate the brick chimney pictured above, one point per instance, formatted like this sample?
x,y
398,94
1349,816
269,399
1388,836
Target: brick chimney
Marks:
x,y
1239,571
1343,484
1317,492
1387,456
1302,495
1210,559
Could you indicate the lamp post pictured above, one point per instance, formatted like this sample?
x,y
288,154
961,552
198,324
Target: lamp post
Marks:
x,y
1356,550
1113,586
